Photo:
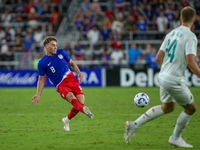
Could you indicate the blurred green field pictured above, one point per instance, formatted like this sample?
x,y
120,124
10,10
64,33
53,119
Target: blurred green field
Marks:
x,y
39,127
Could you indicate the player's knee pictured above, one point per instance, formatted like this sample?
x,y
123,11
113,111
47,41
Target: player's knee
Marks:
x,y
191,110
70,96
168,108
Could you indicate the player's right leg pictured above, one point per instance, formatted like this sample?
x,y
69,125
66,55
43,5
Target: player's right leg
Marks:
x,y
81,99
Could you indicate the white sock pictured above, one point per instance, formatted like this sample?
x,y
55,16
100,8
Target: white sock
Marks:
x,y
181,123
67,118
150,114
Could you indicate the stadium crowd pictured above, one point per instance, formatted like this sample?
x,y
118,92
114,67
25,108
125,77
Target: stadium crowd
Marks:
x,y
106,26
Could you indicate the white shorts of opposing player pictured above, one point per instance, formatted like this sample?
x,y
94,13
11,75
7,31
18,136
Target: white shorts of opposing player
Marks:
x,y
171,91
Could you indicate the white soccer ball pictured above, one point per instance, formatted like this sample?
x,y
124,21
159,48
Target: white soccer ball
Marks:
x,y
141,99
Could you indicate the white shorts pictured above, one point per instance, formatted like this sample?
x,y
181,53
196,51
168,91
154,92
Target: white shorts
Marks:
x,y
179,93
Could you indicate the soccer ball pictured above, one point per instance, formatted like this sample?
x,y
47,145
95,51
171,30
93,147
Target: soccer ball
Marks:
x,y
141,99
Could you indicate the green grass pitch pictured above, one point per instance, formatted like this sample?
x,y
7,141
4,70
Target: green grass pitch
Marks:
x,y
39,127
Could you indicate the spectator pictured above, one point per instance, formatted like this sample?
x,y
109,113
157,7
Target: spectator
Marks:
x,y
161,5
152,59
31,32
85,6
162,23
130,24
106,22
78,51
196,4
4,51
78,14
135,13
39,8
2,33
197,23
154,4
8,35
156,14
118,24
170,16
18,46
32,18
120,5
175,23
134,3
19,34
36,61
12,32
79,24
116,36
6,18
87,25
96,8
18,50
142,28
149,12
105,34
93,35
55,2
28,43
133,56
116,56
90,16
109,13
46,14
28,6
145,3
18,18
54,18
19,7
38,37
147,51
68,48
88,53
184,3
104,59
169,4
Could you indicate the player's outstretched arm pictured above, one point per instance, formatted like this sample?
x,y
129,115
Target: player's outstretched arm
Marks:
x,y
40,86
76,69
192,64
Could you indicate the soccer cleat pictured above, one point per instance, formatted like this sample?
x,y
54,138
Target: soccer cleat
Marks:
x,y
129,131
87,112
66,124
179,143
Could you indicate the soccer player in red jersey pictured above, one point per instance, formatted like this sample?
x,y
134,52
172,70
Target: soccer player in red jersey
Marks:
x,y
55,64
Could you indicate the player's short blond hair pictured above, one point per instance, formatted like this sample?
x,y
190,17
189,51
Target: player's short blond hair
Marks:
x,y
48,39
187,14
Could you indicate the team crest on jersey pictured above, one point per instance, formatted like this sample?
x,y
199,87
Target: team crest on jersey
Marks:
x,y
60,56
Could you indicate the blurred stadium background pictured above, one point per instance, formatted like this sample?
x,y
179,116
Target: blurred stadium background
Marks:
x,y
96,33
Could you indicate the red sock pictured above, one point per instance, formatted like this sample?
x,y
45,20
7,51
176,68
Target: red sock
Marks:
x,y
73,113
77,105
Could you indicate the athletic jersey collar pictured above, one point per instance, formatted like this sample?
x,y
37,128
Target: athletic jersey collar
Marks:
x,y
184,27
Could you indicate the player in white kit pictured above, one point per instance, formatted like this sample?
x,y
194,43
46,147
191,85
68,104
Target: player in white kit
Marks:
x,y
177,51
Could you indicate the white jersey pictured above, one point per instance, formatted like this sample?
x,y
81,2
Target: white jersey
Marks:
x,y
176,45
